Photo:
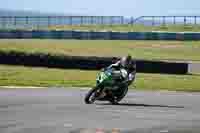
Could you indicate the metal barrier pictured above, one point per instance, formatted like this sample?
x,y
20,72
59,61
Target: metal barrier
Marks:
x,y
90,35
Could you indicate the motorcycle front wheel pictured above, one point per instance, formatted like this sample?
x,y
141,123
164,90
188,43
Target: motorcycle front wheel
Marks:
x,y
91,96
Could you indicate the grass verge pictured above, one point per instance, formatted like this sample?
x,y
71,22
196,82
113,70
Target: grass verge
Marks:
x,y
44,77
115,27
157,50
135,27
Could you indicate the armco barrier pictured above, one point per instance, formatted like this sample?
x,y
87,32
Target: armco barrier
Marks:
x,y
192,36
7,34
88,63
151,36
76,34
26,35
85,35
136,36
38,34
100,35
67,35
92,35
167,36
180,36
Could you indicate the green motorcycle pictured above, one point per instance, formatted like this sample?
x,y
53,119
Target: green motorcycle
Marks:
x,y
107,89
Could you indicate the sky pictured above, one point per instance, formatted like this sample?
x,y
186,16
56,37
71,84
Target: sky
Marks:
x,y
107,7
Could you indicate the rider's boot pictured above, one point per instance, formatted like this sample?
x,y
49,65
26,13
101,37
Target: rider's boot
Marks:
x,y
101,93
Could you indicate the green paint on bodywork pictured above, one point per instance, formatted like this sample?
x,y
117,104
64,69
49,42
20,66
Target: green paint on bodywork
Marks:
x,y
104,78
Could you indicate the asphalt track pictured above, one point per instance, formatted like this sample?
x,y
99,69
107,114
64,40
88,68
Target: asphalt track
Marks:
x,y
62,110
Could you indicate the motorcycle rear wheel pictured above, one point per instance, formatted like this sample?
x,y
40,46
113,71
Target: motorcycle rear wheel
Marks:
x,y
119,98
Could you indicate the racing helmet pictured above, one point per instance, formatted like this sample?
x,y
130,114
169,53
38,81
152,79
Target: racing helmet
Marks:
x,y
126,61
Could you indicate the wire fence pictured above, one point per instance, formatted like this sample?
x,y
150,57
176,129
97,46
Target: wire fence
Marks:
x,y
166,20
32,22
46,21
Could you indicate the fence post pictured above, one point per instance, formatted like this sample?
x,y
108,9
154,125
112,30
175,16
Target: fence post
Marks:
x,y
111,20
38,23
81,17
70,20
164,23
174,20
3,21
185,20
15,19
0,22
9,23
92,22
132,20
153,20
122,20
27,20
102,20
48,21
195,20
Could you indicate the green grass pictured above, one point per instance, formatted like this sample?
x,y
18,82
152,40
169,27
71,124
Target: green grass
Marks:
x,y
122,28
28,76
159,50
137,27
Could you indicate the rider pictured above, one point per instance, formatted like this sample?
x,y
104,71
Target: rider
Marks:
x,y
123,73
128,64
